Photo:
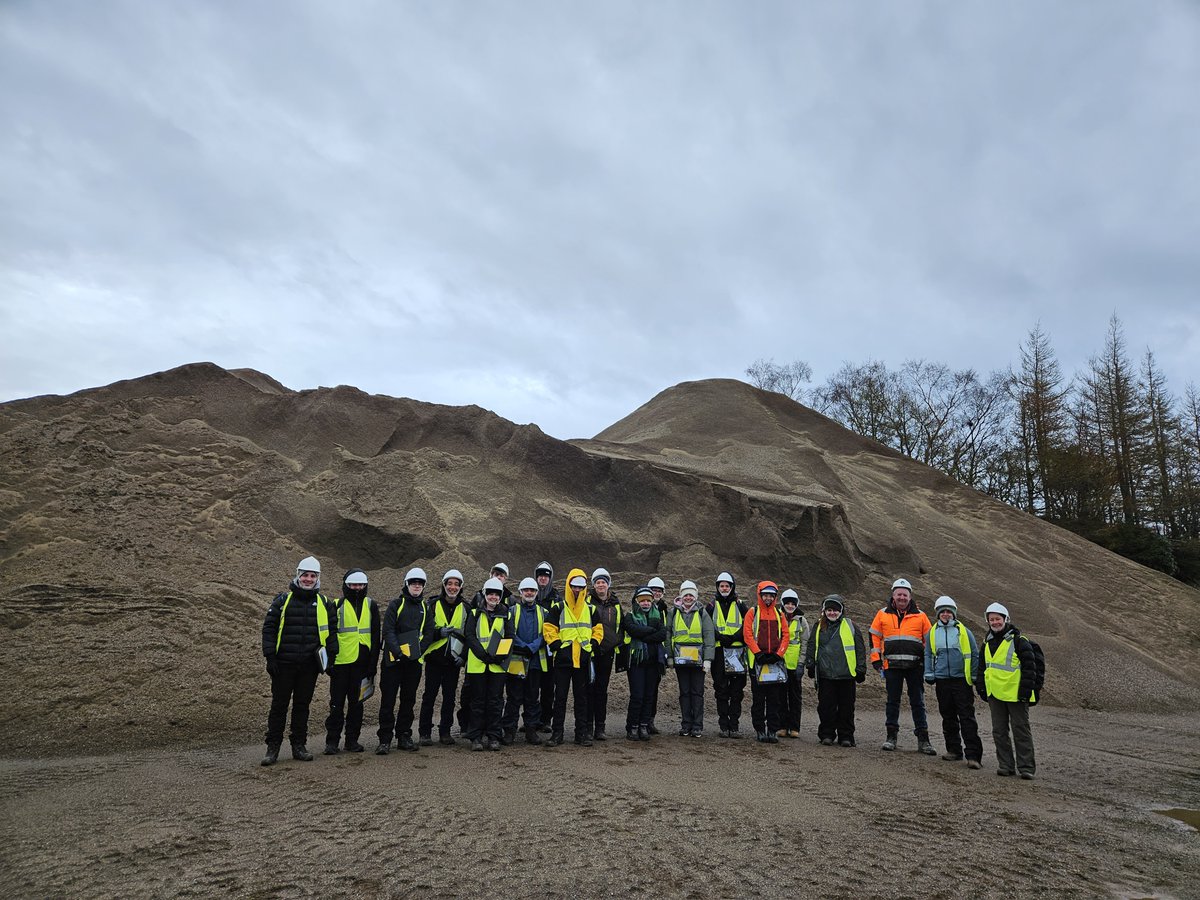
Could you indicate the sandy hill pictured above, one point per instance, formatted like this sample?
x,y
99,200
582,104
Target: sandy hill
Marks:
x,y
145,525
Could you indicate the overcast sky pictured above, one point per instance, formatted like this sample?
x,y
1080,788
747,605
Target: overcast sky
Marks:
x,y
556,210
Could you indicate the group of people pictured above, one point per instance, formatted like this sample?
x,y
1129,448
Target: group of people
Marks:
x,y
528,655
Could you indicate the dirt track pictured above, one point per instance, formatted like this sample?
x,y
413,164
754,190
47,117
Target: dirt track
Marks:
x,y
677,817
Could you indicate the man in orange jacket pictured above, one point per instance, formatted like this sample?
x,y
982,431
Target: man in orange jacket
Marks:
x,y
898,635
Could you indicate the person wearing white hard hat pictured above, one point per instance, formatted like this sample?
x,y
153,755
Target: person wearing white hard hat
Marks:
x,y
526,665
499,572
767,638
571,632
949,667
898,635
547,597
658,588
357,660
444,653
609,614
1005,676
402,630
728,612
489,644
691,644
298,643
792,696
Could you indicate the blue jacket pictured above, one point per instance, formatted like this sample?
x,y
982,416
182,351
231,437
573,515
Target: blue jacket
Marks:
x,y
946,660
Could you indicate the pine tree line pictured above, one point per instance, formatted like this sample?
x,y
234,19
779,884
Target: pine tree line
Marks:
x,y
1110,453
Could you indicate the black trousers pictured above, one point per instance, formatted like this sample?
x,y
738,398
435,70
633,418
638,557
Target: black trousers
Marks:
x,y
440,678
523,694
730,690
464,706
291,684
487,704
691,696
764,705
956,703
567,680
344,706
791,697
835,708
598,689
643,693
397,681
547,698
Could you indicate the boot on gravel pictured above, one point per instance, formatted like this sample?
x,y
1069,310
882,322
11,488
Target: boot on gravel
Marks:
x,y
532,736
890,743
272,755
923,745
406,743
300,752
384,748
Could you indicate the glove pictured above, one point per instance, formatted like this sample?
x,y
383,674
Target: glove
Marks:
x,y
982,693
766,658
708,665
812,672
929,679
1022,698
860,677
446,630
272,665
877,665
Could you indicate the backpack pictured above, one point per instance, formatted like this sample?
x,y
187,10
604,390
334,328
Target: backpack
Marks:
x,y
1039,670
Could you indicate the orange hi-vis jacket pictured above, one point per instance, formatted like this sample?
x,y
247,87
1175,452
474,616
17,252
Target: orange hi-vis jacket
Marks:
x,y
899,640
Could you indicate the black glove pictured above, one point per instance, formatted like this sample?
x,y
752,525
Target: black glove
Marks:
x,y
860,677
766,658
877,665
812,672
982,693
446,630
1022,698
272,665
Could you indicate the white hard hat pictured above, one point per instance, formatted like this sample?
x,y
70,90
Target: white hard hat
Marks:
x,y
902,583
789,594
453,573
601,573
689,587
944,602
494,584
996,608
500,567
578,582
358,576
308,564
417,574
656,582
528,584
725,576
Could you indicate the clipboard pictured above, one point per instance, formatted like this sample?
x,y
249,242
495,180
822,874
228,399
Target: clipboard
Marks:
x,y
517,666
504,647
410,644
366,688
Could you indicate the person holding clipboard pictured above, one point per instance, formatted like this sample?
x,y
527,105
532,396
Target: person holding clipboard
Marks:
x,y
400,676
692,642
489,633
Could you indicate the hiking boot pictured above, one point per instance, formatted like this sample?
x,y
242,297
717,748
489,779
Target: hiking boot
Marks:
x,y
509,735
477,744
531,736
643,733
724,732
1005,773
272,755
631,734
735,734
793,732
845,742
406,743
1028,776
447,740
354,747
782,732
771,739
331,749
761,736
384,748
487,742
650,728
599,735
584,740
952,757
974,764
890,743
923,745
493,745
556,738
544,729
826,742
300,752
426,740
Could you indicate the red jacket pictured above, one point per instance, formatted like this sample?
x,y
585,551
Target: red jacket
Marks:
x,y
765,628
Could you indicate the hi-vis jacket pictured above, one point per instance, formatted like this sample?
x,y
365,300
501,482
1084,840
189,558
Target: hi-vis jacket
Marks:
x,y
484,632
358,625
950,652
571,626
899,640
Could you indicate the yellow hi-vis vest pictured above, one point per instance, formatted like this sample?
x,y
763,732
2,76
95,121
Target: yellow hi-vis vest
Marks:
x,y
576,631
322,620
354,630
846,633
791,656
732,625
489,630
1002,672
440,621
964,644
687,634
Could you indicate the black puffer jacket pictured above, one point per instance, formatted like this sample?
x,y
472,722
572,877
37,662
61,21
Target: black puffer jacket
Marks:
x,y
404,614
300,640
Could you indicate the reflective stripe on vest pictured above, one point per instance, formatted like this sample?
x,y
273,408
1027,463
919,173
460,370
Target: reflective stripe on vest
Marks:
x,y
964,644
780,616
691,634
791,656
846,633
576,631
732,625
440,621
322,620
541,620
489,630
354,631
1002,672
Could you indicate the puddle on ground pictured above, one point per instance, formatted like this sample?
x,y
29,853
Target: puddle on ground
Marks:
x,y
1190,816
